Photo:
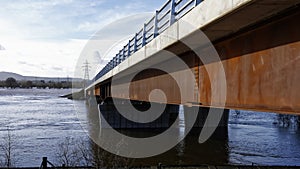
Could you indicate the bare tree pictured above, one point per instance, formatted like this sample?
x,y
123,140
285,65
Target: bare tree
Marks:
x,y
86,153
7,147
67,153
104,159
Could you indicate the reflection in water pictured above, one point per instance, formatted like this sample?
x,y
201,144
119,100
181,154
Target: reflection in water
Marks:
x,y
187,152
190,152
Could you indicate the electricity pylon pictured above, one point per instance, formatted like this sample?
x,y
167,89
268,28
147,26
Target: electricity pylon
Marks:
x,y
86,68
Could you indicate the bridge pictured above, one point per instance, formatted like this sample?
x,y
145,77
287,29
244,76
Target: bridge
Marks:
x,y
258,48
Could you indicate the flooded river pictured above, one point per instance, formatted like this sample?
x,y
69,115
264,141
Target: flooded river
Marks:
x,y
39,121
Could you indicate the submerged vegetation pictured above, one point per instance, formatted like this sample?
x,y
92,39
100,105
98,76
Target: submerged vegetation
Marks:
x,y
286,120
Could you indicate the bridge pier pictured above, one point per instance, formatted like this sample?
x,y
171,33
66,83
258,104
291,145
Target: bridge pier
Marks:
x,y
221,131
116,120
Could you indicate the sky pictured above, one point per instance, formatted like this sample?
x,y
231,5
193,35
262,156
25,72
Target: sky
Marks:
x,y
46,38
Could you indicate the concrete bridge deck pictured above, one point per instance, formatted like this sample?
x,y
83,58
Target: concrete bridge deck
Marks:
x,y
259,48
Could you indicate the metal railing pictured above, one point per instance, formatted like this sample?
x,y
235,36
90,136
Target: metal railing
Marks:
x,y
169,13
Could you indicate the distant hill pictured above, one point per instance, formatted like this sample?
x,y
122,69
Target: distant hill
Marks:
x,y
5,75
18,77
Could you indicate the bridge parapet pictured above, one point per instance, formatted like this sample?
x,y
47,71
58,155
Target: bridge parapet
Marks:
x,y
170,12
164,17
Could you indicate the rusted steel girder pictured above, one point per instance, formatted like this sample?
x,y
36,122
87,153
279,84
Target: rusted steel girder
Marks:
x,y
262,67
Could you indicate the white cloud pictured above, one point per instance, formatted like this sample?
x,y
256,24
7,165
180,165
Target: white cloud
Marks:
x,y
45,38
38,58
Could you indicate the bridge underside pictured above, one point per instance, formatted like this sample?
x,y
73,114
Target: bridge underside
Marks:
x,y
261,64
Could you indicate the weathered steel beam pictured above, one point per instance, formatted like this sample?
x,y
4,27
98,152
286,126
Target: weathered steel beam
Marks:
x,y
261,67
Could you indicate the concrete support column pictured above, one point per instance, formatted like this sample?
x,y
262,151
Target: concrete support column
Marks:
x,y
220,132
116,120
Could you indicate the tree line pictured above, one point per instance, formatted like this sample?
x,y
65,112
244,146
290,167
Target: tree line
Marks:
x,y
13,83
